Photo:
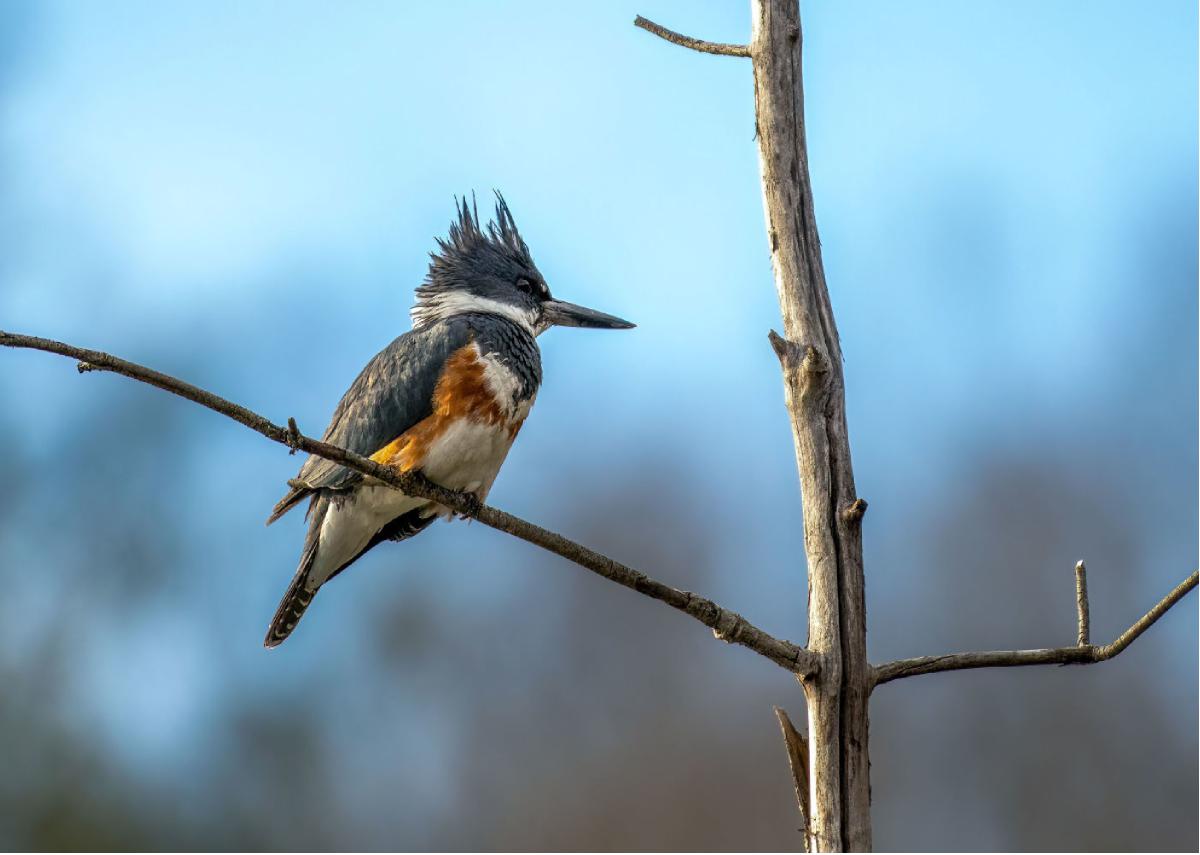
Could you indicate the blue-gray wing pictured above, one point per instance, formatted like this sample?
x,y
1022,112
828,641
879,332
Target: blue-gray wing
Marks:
x,y
393,393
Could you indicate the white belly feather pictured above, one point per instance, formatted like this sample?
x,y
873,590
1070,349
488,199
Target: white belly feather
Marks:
x,y
466,456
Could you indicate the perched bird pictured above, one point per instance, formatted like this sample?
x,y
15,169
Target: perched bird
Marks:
x,y
445,399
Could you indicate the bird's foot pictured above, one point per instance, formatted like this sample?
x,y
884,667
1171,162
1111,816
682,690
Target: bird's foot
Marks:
x,y
473,505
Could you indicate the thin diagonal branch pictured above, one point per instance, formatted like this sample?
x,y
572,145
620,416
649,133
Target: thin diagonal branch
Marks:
x,y
1079,655
1148,620
688,42
726,625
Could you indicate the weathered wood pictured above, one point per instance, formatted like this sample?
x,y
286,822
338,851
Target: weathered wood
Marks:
x,y
1081,654
1083,635
810,356
689,42
797,752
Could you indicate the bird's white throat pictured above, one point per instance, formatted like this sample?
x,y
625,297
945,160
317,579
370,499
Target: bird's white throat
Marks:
x,y
441,306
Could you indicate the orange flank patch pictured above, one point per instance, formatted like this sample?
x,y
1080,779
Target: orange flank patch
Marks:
x,y
461,393
389,452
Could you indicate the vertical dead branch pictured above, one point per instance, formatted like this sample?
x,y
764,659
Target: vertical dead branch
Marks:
x,y
810,355
834,796
811,359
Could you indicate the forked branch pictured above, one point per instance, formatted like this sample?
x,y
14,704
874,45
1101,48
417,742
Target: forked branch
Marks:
x,y
726,625
1082,654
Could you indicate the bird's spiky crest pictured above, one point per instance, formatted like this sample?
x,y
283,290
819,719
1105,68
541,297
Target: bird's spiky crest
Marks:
x,y
466,238
503,230
472,262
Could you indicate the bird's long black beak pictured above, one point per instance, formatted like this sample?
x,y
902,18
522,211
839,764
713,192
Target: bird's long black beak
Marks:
x,y
558,313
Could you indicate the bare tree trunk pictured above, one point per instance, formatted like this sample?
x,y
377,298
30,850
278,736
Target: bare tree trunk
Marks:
x,y
810,354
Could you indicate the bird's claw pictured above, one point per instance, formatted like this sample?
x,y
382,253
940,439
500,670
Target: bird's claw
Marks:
x,y
473,505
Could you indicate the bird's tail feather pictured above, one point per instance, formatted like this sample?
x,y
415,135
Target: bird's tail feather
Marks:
x,y
299,594
287,503
291,609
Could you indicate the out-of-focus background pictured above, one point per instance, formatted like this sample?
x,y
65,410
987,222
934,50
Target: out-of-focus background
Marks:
x,y
243,194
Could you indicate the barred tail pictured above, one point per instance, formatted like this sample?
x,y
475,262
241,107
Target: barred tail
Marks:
x,y
299,595
291,609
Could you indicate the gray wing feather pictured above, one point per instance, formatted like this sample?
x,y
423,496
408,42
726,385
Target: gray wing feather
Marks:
x,y
393,393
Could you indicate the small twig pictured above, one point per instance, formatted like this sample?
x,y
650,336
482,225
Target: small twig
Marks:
x,y
727,625
855,512
688,42
1080,655
293,435
1084,637
804,367
797,751
786,351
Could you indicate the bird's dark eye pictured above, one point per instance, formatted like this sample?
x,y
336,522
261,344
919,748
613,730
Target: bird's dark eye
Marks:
x,y
526,284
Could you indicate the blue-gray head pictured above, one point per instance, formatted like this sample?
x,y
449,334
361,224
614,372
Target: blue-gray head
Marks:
x,y
490,270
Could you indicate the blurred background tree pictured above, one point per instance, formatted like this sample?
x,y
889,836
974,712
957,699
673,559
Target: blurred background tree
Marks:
x,y
1008,202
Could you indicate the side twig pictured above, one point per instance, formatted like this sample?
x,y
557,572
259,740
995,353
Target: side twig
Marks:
x,y
726,625
1084,634
688,42
797,751
1085,654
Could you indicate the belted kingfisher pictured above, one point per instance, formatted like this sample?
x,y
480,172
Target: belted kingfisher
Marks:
x,y
446,399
